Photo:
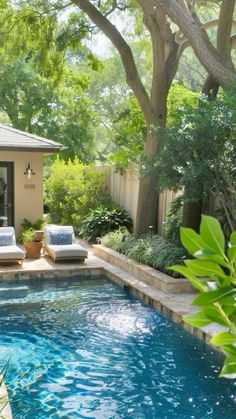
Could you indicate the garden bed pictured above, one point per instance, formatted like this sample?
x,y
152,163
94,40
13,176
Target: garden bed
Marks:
x,y
153,277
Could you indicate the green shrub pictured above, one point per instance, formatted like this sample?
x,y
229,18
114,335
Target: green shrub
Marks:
x,y
28,235
140,250
27,227
102,220
213,274
154,251
72,190
165,253
116,240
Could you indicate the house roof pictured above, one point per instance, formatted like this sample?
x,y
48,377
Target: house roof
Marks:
x,y
12,139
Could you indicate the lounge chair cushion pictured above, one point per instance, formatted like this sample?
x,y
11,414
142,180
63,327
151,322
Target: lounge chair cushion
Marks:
x,y
10,232
11,253
60,238
51,231
6,239
67,251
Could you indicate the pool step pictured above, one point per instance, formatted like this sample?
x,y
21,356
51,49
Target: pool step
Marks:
x,y
13,291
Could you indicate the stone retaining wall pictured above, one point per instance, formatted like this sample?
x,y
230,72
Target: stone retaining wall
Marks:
x,y
153,277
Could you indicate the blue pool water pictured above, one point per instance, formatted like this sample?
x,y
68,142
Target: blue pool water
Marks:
x,y
87,349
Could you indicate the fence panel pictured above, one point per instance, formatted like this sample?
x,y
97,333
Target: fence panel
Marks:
x,y
124,191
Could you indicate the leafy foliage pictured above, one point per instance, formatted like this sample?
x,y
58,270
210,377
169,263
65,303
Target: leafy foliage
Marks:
x,y
28,235
213,274
154,250
28,229
178,98
130,129
129,134
72,190
42,91
102,220
116,240
195,149
33,104
26,97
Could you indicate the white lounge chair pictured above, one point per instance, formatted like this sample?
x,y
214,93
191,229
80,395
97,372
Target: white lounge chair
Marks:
x,y
9,251
60,244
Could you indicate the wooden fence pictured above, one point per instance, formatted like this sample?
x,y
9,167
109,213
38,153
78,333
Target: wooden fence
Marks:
x,y
124,191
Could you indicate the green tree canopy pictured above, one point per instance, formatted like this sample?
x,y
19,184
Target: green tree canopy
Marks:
x,y
41,90
199,147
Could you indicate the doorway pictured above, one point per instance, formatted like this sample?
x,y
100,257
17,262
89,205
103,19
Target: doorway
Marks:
x,y
6,194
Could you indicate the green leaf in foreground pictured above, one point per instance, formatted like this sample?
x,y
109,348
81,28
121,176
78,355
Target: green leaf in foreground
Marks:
x,y
212,296
204,268
191,240
198,319
233,238
230,350
183,270
212,234
215,315
214,275
229,368
232,253
223,338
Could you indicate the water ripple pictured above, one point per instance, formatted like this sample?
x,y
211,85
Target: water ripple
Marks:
x,y
89,350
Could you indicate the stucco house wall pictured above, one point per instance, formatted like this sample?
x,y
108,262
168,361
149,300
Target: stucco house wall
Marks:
x,y
21,155
28,193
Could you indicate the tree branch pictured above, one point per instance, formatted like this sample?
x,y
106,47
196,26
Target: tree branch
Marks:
x,y
224,30
132,76
181,39
155,24
204,50
211,86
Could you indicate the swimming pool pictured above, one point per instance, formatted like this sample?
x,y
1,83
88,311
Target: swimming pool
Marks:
x,y
88,349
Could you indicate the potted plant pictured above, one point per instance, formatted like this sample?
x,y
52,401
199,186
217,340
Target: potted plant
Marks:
x,y
32,242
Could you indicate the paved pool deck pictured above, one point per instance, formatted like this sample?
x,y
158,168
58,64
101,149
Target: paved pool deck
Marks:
x,y
173,305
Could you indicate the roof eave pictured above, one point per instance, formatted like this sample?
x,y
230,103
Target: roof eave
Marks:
x,y
49,150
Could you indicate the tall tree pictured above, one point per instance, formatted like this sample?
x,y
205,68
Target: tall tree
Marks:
x,y
223,24
158,16
166,54
153,103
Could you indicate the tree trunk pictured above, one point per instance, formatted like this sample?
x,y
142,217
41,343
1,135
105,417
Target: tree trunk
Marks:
x,y
147,208
192,212
165,63
192,215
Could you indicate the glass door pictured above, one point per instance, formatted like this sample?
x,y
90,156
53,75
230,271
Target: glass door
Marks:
x,y
6,194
